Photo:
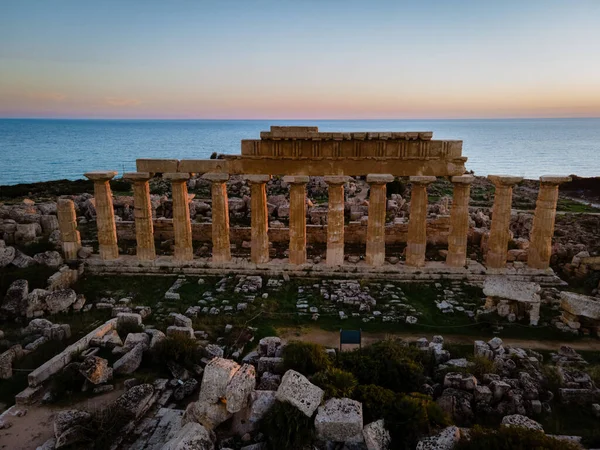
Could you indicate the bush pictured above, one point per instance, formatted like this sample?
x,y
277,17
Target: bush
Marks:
x,y
179,349
286,427
388,364
407,417
105,427
552,380
594,373
335,382
480,366
511,438
305,357
66,382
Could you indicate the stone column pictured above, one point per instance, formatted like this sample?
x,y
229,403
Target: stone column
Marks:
x,y
459,221
259,251
297,218
335,220
182,225
67,223
499,231
221,251
142,211
376,224
417,224
105,214
540,246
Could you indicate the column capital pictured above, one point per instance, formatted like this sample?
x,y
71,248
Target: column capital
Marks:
x,y
100,175
336,179
137,176
463,179
296,179
380,178
257,178
216,177
504,180
422,179
554,179
176,176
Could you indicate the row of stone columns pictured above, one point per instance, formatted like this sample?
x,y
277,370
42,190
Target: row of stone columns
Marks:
x,y
539,251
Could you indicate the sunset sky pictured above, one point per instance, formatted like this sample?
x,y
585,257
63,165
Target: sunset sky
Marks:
x,y
299,59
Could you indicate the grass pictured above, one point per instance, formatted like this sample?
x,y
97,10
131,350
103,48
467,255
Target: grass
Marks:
x,y
568,205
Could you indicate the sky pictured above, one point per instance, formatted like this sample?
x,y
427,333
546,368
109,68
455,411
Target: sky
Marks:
x,y
301,59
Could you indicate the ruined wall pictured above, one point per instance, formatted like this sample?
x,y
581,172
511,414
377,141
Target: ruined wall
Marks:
x,y
355,232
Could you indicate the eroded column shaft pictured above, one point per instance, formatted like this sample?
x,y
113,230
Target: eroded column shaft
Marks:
x,y
540,247
105,214
297,218
142,211
259,249
335,220
221,251
499,230
459,221
182,226
67,223
417,224
375,255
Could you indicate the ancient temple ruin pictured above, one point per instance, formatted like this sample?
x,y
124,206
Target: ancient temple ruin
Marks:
x,y
297,153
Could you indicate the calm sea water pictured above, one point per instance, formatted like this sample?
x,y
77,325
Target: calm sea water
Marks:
x,y
42,150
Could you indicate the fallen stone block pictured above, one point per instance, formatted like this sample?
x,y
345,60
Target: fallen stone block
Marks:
x,y
376,436
298,391
217,375
240,387
340,420
192,436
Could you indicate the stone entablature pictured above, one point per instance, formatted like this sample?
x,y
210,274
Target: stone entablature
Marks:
x,y
380,157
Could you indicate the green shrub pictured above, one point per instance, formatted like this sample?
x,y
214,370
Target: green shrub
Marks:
x,y
286,427
480,366
511,438
552,380
388,364
594,373
179,349
335,382
407,417
305,357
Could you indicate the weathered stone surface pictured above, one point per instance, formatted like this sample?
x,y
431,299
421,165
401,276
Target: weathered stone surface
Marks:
x,y
50,258
130,361
96,370
22,261
128,319
136,400
65,420
186,389
58,301
6,361
217,375
192,436
272,365
179,320
209,415
376,436
297,390
14,302
185,332
247,419
269,381
240,387
156,337
445,440
133,339
268,346
339,420
519,291
580,305
7,255
517,420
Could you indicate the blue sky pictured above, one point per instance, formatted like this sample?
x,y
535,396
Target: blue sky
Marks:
x,y
300,59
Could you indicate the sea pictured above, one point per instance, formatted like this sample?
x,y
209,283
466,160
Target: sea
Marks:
x,y
33,150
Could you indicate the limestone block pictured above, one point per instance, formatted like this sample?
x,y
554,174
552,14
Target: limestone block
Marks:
x,y
128,319
7,255
340,420
185,332
248,419
130,361
483,350
580,305
273,365
15,300
499,388
376,436
136,400
519,291
482,394
217,375
95,370
240,387
191,436
445,440
457,380
58,301
156,337
68,420
209,415
297,390
268,346
517,420
50,259
134,339
179,320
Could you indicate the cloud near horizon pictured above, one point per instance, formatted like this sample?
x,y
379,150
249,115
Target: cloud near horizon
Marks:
x,y
116,101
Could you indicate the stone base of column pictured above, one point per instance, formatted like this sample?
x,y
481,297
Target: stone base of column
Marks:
x,y
70,250
183,254
415,254
108,251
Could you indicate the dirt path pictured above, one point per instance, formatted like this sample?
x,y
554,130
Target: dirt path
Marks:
x,y
37,425
332,339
